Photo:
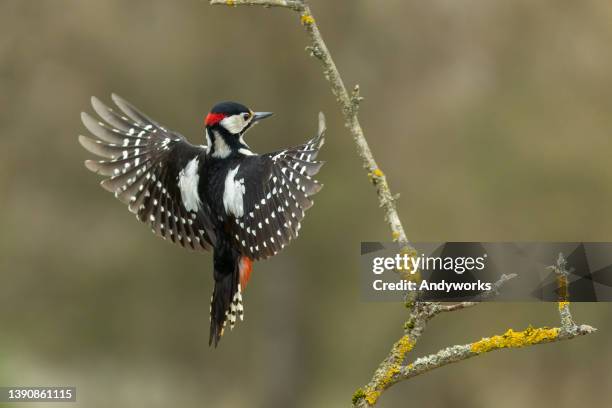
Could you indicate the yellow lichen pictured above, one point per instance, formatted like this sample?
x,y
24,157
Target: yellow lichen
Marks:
x,y
374,175
371,396
512,339
407,272
402,347
395,235
307,19
230,2
385,377
562,305
389,374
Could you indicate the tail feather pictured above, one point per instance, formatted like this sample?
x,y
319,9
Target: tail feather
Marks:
x,y
226,301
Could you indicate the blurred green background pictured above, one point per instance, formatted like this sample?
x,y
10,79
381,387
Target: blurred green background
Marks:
x,y
492,119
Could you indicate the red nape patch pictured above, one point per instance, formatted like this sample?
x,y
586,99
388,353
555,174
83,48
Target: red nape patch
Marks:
x,y
245,268
213,118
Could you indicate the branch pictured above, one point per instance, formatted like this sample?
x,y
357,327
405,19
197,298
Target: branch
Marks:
x,y
495,287
291,4
395,369
389,371
349,102
560,268
511,339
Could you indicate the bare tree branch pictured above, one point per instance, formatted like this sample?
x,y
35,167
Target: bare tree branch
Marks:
x,y
560,268
511,339
389,371
394,367
291,4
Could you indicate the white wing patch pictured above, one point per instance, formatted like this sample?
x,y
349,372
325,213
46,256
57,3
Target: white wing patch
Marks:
x,y
233,195
188,184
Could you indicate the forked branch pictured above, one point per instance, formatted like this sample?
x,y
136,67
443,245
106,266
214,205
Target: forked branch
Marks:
x,y
395,367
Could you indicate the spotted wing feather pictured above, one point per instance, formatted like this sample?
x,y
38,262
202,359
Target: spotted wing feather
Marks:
x,y
142,165
274,209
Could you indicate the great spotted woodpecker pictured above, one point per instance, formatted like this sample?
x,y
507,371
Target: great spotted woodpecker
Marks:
x,y
221,197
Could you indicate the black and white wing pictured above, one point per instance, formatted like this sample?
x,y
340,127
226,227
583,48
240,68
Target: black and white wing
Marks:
x,y
153,170
275,202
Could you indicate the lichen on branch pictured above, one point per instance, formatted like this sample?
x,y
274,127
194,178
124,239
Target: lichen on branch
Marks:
x,y
512,339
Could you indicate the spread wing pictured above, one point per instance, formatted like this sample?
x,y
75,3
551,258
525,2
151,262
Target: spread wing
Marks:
x,y
144,164
276,195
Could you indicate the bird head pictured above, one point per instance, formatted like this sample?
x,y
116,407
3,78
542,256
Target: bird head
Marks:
x,y
226,125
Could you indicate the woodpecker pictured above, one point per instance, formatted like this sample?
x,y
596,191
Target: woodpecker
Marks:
x,y
220,196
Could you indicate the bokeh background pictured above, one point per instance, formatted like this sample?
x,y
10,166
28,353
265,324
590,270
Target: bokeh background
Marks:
x,y
492,119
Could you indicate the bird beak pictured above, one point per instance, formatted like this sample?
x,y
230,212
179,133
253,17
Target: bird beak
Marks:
x,y
257,116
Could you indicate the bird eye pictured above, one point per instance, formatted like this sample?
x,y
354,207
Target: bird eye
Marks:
x,y
246,116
